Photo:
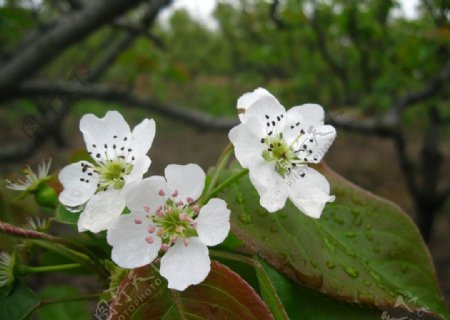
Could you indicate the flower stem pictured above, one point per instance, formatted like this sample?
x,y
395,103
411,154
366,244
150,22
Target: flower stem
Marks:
x,y
28,269
221,162
72,248
225,184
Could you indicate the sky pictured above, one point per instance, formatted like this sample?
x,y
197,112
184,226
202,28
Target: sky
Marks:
x,y
202,9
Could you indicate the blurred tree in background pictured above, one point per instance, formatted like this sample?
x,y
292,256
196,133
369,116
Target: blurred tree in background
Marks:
x,y
375,71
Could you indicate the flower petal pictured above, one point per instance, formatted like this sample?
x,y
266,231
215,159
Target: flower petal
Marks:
x,y
213,222
314,145
128,239
78,185
146,193
101,211
247,99
270,114
247,143
184,266
302,120
140,167
270,185
188,180
309,191
105,137
142,137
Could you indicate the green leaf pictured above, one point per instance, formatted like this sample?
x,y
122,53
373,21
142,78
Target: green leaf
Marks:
x,y
223,295
304,303
363,250
63,215
74,310
19,304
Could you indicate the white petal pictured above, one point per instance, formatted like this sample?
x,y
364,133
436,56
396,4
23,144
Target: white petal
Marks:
x,y
142,137
314,145
101,211
248,99
140,167
270,185
303,119
128,239
309,191
213,222
79,187
104,137
270,114
188,180
146,193
247,143
184,266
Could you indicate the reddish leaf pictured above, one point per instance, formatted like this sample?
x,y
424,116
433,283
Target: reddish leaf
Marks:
x,y
223,295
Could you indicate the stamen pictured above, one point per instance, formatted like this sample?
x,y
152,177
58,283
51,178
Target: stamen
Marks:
x,y
189,200
137,221
151,228
149,239
175,193
186,242
146,208
161,193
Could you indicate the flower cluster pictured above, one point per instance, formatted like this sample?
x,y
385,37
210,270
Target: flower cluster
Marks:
x,y
164,214
167,217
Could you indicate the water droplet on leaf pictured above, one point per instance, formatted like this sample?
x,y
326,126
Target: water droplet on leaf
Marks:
x,y
246,218
352,272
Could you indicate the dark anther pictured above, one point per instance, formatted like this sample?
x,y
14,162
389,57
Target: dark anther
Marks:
x,y
94,146
269,150
123,148
271,145
81,179
262,140
292,127
129,150
106,146
114,146
125,139
273,123
278,118
297,124
267,117
132,158
87,181
302,175
268,124
311,140
90,174
302,131
84,169
115,137
98,155
270,133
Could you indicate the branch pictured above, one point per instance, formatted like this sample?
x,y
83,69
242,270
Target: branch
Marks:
x,y
70,29
405,164
76,92
138,30
273,11
335,67
414,97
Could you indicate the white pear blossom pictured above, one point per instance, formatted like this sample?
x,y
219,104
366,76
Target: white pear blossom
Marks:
x,y
119,154
165,216
277,146
32,180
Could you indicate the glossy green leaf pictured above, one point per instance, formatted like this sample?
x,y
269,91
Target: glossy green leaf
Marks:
x,y
223,295
74,310
19,304
304,303
363,250
63,215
